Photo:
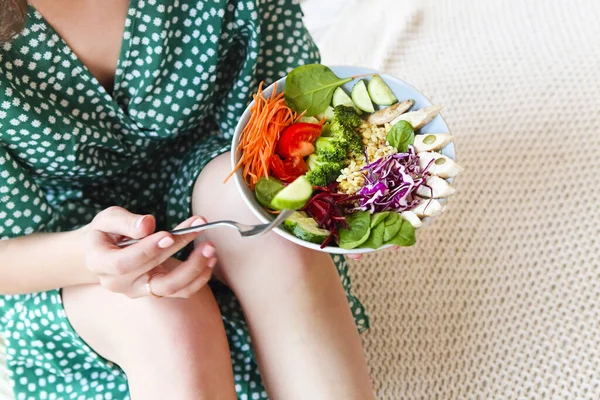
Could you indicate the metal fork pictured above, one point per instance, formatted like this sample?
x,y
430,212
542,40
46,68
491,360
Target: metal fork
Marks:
x,y
244,230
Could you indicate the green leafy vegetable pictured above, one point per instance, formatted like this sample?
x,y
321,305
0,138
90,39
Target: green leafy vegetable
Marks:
x,y
310,87
392,230
359,229
379,217
405,236
392,218
343,126
400,136
375,239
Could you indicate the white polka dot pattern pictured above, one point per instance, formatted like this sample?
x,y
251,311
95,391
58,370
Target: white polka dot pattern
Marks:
x,y
68,149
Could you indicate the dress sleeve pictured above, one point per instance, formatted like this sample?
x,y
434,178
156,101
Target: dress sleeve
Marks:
x,y
23,206
265,40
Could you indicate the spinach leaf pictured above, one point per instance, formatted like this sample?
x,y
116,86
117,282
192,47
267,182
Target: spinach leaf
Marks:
x,y
392,230
375,239
379,217
310,87
405,236
359,229
400,136
392,218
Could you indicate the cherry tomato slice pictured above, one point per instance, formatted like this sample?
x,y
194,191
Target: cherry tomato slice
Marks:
x,y
297,140
289,169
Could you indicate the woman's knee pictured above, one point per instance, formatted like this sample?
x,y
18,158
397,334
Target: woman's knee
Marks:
x,y
255,262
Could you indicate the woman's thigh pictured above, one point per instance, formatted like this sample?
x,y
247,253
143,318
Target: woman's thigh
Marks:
x,y
303,333
178,341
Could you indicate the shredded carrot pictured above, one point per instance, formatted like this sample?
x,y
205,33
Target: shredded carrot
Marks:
x,y
268,118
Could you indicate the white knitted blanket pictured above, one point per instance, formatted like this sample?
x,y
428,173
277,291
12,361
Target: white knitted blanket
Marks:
x,y
500,297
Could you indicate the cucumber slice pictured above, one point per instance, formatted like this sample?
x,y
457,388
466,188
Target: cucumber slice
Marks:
x,y
340,98
380,92
328,113
360,97
293,196
305,228
266,189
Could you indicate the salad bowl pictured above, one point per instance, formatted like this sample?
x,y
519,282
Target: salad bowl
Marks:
x,y
400,89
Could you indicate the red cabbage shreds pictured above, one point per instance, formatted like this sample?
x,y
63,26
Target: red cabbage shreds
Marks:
x,y
326,207
391,182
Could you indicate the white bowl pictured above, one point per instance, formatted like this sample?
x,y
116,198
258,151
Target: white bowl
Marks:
x,y
401,89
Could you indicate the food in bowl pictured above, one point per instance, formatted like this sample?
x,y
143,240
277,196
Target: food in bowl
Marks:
x,y
354,165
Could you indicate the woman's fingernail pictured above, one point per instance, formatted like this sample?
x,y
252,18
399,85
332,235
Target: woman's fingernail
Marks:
x,y
140,221
166,242
211,263
199,221
208,251
395,248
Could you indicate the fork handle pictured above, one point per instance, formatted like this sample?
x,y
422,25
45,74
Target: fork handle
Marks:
x,y
184,231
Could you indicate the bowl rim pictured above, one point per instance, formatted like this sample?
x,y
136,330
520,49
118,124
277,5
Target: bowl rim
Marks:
x,y
241,184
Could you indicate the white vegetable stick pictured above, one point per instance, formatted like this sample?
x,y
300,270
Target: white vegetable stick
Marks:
x,y
412,219
444,168
431,141
435,187
419,118
428,208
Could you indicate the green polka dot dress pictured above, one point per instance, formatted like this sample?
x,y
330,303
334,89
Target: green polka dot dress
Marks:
x,y
69,149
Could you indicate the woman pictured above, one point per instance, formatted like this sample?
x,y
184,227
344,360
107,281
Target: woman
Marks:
x,y
115,120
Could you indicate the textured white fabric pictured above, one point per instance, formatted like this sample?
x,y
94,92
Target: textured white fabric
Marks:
x,y
500,297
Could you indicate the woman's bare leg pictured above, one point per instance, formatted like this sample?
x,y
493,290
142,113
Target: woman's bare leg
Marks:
x,y
169,348
302,329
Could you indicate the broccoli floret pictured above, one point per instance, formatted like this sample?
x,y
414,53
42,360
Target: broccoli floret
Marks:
x,y
331,149
355,143
317,178
343,126
347,116
321,172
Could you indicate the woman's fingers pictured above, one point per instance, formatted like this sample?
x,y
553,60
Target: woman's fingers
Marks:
x,y
192,221
153,250
186,276
119,221
127,264
195,286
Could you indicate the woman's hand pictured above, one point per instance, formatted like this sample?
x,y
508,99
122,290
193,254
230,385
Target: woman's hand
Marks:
x,y
128,270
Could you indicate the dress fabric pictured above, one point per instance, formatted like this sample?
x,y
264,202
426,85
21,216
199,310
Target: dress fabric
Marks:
x,y
69,149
